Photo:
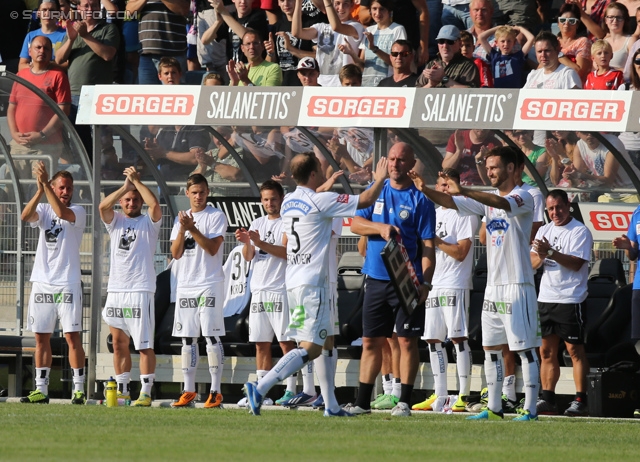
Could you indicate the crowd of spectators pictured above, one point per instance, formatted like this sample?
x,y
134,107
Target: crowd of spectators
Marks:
x,y
422,43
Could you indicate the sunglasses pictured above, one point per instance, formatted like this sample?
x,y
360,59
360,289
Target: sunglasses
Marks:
x,y
443,41
402,54
519,134
637,60
570,21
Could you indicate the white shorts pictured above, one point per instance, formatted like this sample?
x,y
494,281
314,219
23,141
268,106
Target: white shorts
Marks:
x,y
510,316
447,314
333,303
199,310
48,303
309,314
133,313
269,316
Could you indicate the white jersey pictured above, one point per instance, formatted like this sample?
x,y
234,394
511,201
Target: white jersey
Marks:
x,y
538,201
336,232
508,235
328,54
268,270
237,281
57,259
133,244
452,227
559,284
308,220
197,269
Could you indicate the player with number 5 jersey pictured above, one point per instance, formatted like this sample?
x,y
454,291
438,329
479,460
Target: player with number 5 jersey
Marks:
x,y
308,216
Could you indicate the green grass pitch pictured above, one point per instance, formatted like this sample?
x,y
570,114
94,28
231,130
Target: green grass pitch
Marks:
x,y
64,432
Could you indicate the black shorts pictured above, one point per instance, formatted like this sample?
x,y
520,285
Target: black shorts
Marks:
x,y
382,311
635,314
566,320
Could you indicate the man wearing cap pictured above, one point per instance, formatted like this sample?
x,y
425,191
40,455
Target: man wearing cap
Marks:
x,y
449,69
257,72
401,57
308,72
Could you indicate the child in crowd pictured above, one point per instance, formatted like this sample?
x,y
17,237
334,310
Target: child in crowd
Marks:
x,y
466,49
350,76
603,76
507,66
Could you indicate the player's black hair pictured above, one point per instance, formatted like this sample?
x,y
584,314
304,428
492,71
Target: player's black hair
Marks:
x,y
272,185
559,194
507,155
197,178
452,173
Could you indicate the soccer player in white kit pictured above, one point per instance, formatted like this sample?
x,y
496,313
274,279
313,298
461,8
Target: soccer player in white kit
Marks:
x,y
197,238
447,307
269,315
129,309
509,312
56,291
308,218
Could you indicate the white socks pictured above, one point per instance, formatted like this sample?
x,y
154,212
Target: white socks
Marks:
x,y
189,364
42,379
78,379
308,384
289,364
494,372
463,364
124,380
215,357
325,369
396,389
147,382
509,387
531,377
387,384
439,363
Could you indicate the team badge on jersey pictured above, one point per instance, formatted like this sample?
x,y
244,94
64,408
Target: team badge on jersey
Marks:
x,y
518,199
377,209
343,198
404,214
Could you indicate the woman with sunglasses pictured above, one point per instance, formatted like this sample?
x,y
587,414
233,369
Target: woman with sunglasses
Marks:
x,y
373,55
616,23
631,140
576,49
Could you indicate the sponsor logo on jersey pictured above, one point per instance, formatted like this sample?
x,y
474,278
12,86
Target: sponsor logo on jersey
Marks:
x,y
197,302
497,307
343,198
518,199
129,313
266,307
497,228
61,297
442,300
296,204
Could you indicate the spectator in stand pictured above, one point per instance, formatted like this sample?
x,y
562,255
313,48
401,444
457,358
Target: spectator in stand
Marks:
x,y
330,38
285,49
308,72
450,69
631,140
162,30
507,64
217,165
373,55
481,17
457,13
89,48
257,72
465,153
401,57
174,148
551,75
517,13
560,145
536,154
49,28
350,76
467,48
35,129
635,47
616,23
603,77
575,48
592,16
212,79
212,53
244,18
421,22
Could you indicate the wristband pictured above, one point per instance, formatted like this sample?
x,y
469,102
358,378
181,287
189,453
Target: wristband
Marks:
x,y
42,135
428,285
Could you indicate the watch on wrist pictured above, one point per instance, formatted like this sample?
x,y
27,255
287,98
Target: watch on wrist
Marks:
x,y
479,161
375,49
444,80
560,55
428,285
550,252
42,135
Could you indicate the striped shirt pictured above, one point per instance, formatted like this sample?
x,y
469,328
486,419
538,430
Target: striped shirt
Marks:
x,y
162,32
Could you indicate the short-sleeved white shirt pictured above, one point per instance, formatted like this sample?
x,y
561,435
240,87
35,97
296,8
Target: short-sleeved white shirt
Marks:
x,y
329,57
452,228
508,235
538,202
563,78
196,268
308,220
237,282
336,232
57,259
268,270
133,244
560,284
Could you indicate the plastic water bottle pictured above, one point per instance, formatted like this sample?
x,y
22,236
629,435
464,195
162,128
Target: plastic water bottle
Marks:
x,y
111,393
